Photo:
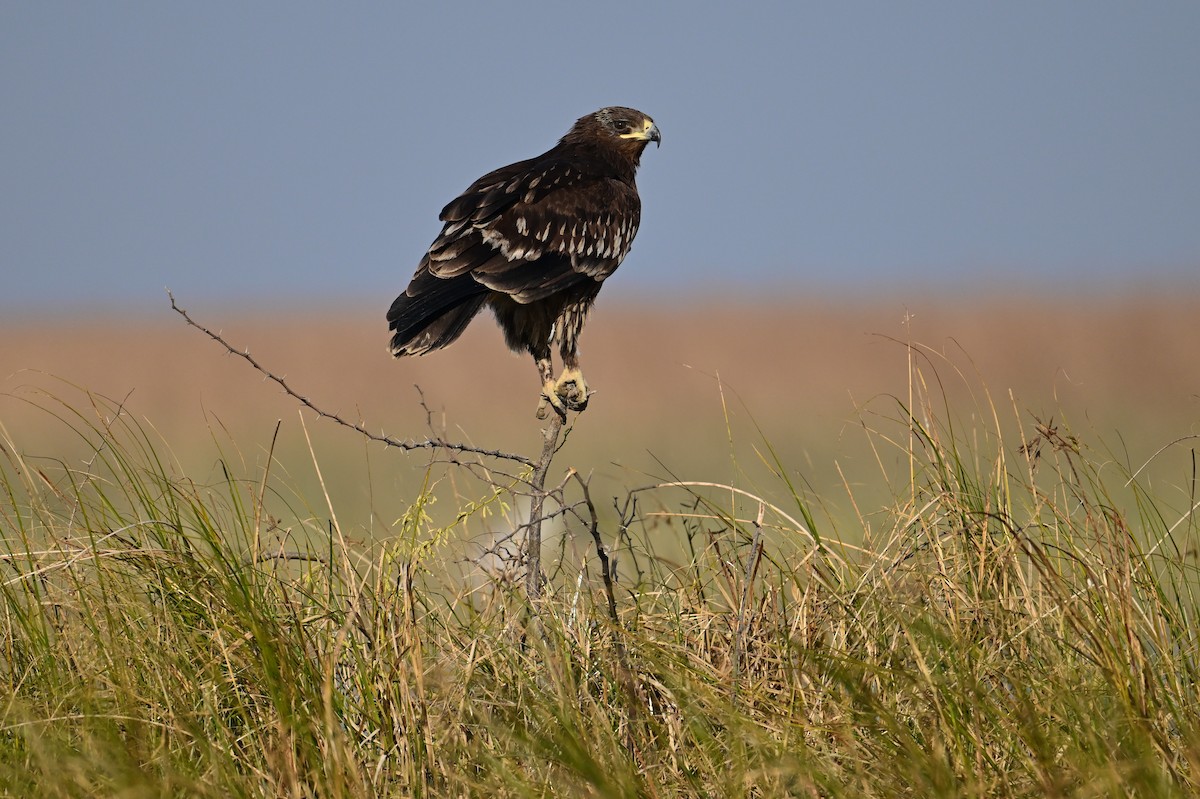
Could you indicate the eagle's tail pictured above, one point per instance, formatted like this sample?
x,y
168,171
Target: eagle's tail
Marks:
x,y
433,312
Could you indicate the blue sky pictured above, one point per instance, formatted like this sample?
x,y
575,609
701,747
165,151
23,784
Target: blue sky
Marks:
x,y
295,153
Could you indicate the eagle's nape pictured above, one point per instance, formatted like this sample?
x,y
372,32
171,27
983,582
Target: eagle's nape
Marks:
x,y
533,241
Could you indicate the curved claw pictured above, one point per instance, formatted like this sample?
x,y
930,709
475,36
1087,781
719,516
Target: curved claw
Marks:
x,y
572,390
572,400
550,399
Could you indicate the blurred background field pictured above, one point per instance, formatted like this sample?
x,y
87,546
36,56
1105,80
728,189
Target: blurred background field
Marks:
x,y
705,390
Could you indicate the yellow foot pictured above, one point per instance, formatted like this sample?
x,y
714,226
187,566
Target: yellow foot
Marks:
x,y
571,390
550,400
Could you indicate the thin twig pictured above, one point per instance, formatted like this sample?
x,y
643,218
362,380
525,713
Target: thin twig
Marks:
x,y
626,515
602,553
431,443
494,548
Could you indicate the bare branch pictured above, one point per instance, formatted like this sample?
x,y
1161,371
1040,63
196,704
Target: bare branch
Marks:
x,y
601,552
533,542
430,443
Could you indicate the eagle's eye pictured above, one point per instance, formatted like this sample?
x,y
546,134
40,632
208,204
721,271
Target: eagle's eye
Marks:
x,y
621,124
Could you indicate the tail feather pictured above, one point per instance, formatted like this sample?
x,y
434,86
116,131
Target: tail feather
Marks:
x,y
433,312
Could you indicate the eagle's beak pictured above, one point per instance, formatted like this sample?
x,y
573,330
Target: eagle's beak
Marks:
x,y
649,132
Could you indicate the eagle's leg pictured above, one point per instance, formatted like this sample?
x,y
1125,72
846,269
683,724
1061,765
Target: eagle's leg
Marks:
x,y
549,398
571,388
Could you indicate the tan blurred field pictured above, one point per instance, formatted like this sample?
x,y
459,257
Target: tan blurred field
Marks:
x,y
1122,371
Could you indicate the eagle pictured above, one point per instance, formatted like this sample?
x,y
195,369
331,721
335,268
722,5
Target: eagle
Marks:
x,y
533,241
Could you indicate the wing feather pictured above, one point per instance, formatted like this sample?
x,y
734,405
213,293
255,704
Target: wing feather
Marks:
x,y
536,227
532,281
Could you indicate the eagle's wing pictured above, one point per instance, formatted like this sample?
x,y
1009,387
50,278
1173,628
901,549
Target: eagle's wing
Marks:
x,y
536,227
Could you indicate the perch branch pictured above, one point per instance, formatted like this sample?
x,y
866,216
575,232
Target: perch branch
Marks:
x,y
537,482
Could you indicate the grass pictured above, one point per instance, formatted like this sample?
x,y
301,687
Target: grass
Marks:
x,y
1019,620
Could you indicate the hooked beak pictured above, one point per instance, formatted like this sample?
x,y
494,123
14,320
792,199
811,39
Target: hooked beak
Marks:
x,y
654,135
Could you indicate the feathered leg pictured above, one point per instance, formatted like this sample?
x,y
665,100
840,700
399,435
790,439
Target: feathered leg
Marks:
x,y
571,389
550,399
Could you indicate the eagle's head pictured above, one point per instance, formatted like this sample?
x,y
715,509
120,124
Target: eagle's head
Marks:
x,y
624,129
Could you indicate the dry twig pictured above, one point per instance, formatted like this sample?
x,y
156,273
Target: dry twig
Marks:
x,y
601,551
430,443
533,541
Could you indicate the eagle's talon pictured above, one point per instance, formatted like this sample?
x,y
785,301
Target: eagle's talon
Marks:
x,y
543,411
572,398
572,390
550,399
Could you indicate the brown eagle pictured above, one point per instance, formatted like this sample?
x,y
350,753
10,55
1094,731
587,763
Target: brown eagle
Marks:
x,y
534,241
